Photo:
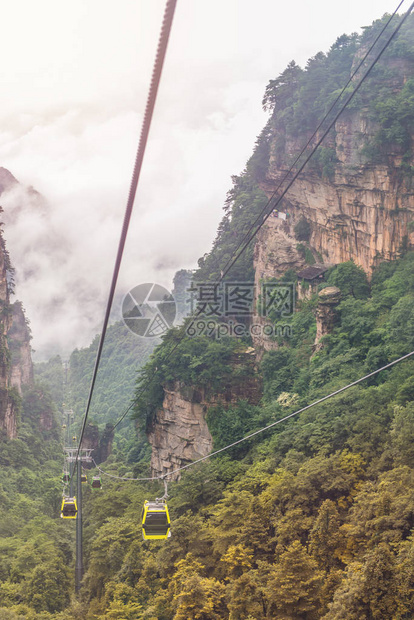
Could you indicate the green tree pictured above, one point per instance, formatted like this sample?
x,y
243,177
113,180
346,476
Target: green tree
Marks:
x,y
294,585
351,279
48,586
325,537
368,590
196,597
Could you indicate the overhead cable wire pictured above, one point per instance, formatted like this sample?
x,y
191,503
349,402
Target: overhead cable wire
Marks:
x,y
315,133
105,473
123,415
146,124
240,250
265,428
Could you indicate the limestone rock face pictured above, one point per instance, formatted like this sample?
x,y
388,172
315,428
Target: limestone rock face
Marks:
x,y
7,180
100,443
329,298
361,212
105,443
180,432
19,343
16,368
15,354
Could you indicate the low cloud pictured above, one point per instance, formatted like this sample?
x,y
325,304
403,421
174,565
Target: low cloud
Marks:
x,y
63,240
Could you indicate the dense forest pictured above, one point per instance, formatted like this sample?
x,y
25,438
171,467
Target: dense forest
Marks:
x,y
312,519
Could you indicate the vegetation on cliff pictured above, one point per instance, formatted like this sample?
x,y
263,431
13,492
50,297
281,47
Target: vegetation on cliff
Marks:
x,y
299,98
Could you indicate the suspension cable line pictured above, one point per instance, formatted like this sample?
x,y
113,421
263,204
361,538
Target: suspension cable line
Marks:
x,y
146,124
261,430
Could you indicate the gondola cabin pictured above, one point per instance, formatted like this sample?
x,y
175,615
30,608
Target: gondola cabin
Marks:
x,y
66,476
84,478
69,508
155,521
96,482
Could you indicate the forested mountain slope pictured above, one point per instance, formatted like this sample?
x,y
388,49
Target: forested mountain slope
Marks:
x,y
123,354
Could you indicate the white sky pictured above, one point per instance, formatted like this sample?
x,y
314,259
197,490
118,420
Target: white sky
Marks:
x,y
74,84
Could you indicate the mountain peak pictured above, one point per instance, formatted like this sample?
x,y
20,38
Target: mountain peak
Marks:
x,y
7,180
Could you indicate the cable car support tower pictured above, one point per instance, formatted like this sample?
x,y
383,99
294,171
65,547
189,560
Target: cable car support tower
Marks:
x,y
85,456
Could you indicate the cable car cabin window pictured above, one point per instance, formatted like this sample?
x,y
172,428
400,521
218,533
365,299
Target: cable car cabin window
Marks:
x,y
156,523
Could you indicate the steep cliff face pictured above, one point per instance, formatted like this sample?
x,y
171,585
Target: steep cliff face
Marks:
x,y
16,367
9,399
357,192
355,197
353,201
362,212
180,432
328,299
21,371
100,443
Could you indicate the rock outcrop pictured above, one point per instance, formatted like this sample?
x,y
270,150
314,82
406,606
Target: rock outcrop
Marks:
x,y
180,433
360,207
99,442
345,205
7,180
361,212
328,299
15,360
21,371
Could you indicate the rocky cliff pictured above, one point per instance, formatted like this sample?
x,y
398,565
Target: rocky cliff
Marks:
x,y
180,432
16,367
21,370
354,200
99,442
362,212
356,193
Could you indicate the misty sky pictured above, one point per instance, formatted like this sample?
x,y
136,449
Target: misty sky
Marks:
x,y
74,84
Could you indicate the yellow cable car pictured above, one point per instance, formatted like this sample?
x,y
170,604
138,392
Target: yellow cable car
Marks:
x,y
155,521
69,508
84,478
